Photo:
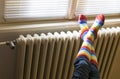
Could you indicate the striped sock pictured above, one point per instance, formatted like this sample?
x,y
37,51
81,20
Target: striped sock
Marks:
x,y
99,21
88,36
85,48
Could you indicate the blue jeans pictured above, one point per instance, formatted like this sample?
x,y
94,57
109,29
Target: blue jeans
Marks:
x,y
83,69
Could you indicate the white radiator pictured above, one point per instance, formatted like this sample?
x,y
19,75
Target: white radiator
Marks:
x,y
51,56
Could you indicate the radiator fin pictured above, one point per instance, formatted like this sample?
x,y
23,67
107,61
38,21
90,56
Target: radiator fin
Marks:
x,y
37,46
48,64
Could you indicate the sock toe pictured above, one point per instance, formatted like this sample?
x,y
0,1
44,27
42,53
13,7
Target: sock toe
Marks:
x,y
100,19
82,17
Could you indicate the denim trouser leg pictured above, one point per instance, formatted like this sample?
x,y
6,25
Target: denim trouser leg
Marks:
x,y
94,73
81,68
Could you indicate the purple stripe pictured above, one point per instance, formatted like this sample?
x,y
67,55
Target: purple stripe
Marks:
x,y
85,49
99,22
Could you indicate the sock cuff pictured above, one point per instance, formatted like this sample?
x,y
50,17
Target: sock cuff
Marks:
x,y
84,53
94,62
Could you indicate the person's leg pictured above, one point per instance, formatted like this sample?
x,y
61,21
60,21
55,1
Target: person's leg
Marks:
x,y
82,62
94,73
86,61
81,68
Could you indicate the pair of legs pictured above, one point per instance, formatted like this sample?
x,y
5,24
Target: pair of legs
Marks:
x,y
86,65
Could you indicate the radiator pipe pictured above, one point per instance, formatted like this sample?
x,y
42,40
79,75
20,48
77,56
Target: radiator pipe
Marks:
x,y
11,44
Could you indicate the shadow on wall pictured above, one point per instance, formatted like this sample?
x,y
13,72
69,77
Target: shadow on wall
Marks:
x,y
7,62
